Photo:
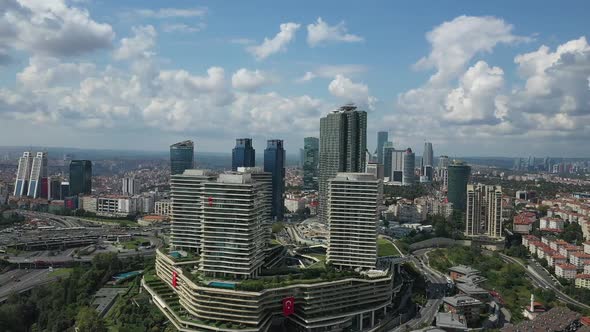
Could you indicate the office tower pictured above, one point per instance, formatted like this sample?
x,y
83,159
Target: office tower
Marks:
x,y
64,190
409,177
442,171
130,186
382,137
484,211
375,169
186,199
343,142
311,159
458,178
181,157
243,154
53,188
274,163
80,177
23,174
301,158
38,173
233,227
427,164
393,166
353,199
443,162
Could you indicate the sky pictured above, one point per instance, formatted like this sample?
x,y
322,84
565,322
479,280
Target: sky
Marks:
x,y
475,78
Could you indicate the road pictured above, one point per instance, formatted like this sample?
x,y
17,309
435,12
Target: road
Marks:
x,y
544,282
27,280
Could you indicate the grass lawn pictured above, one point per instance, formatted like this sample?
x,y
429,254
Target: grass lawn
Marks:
x,y
61,272
133,244
386,248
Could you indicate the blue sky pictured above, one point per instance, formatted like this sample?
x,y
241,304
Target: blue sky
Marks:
x,y
475,78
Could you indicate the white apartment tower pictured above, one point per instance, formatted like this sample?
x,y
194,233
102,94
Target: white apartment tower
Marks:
x,y
23,174
186,196
130,186
234,223
353,200
484,211
38,173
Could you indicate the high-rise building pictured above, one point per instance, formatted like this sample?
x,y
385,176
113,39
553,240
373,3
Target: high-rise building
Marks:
x,y
274,163
443,162
382,137
484,211
409,176
186,199
375,169
64,190
311,159
53,188
80,177
353,199
243,154
182,156
393,166
23,174
265,178
38,173
442,171
343,143
427,165
233,227
130,186
458,173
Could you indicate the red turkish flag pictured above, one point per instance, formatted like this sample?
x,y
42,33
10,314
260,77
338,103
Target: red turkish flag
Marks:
x,y
174,281
288,305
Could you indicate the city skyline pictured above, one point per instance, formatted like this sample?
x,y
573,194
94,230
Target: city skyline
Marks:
x,y
122,83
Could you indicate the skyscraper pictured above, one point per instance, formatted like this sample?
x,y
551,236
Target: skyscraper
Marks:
x,y
427,169
233,227
382,137
130,186
484,211
23,174
343,142
274,163
311,159
186,199
80,177
353,199
409,178
38,177
442,171
243,154
458,173
181,157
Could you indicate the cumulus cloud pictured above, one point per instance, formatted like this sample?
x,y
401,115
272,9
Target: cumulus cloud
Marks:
x,y
140,45
250,80
181,27
348,91
321,32
46,72
51,28
277,44
330,71
163,13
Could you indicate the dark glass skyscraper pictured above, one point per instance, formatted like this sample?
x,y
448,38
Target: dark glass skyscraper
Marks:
x,y
382,137
80,177
243,155
181,157
311,159
274,163
458,173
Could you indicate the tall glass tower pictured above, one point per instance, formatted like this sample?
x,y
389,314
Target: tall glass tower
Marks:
x,y
382,137
80,177
458,173
311,156
243,155
274,163
343,143
409,165
38,173
23,174
181,156
427,162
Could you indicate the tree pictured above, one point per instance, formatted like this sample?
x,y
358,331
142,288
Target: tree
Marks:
x,y
88,320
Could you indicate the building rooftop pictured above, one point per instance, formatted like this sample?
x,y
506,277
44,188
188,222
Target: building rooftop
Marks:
x,y
470,289
451,321
567,266
463,269
475,279
556,319
461,300
583,276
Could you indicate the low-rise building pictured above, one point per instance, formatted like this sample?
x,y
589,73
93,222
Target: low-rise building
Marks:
x,y
587,269
162,208
586,246
583,281
556,258
548,223
558,244
523,222
569,249
556,319
579,259
566,271
459,271
527,239
451,322
473,291
464,305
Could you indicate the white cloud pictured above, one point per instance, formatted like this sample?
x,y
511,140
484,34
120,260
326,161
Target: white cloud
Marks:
x,y
181,27
182,82
163,13
348,91
276,44
330,71
321,32
51,28
44,73
250,80
140,45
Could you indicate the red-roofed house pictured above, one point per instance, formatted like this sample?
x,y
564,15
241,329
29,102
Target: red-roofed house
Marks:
x,y
555,259
579,259
558,244
566,271
569,249
583,281
523,222
586,247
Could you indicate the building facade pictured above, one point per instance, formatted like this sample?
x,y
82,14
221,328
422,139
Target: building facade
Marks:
x,y
80,177
182,156
343,145
130,186
23,174
458,174
243,154
427,169
382,137
311,159
38,178
274,163
484,211
409,177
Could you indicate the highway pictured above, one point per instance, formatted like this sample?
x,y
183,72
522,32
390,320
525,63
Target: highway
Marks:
x,y
544,282
17,281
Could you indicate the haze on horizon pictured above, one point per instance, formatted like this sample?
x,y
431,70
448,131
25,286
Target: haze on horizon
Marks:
x,y
479,79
